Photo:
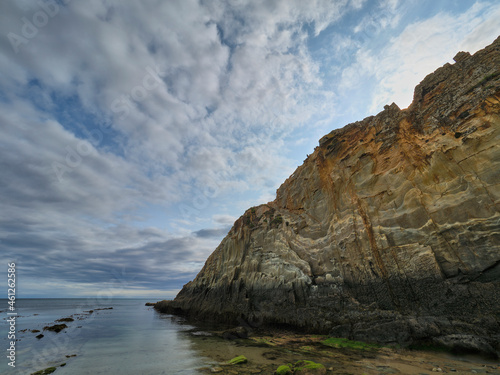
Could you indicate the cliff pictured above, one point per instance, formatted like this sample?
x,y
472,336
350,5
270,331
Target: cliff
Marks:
x,y
389,231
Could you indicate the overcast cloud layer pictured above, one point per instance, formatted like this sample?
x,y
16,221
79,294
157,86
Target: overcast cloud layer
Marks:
x,y
133,134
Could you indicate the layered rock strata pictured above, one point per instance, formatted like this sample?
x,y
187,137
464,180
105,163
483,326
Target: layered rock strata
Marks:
x,y
389,231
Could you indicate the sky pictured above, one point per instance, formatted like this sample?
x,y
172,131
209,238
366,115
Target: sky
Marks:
x,y
133,134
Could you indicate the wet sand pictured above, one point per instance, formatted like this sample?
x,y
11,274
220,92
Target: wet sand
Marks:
x,y
265,353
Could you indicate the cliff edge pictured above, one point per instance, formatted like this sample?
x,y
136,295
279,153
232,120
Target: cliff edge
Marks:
x,y
389,231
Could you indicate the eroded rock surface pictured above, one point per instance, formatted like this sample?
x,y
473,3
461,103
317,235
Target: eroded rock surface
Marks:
x,y
389,231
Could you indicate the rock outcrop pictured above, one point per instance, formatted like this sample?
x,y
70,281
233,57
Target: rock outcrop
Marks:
x,y
389,231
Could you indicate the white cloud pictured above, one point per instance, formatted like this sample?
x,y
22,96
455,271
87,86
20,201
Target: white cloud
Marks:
x,y
224,219
230,82
384,15
419,50
260,77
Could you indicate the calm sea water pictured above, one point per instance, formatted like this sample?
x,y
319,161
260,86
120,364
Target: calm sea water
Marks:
x,y
128,339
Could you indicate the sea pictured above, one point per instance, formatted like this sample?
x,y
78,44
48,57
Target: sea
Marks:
x,y
115,336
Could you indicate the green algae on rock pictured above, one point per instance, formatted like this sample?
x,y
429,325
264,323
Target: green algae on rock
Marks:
x,y
335,342
309,368
284,370
241,359
303,367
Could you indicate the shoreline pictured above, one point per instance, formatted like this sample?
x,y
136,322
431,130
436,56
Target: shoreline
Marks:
x,y
267,347
266,351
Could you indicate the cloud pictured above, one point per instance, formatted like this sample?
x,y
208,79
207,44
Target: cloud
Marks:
x,y
212,233
231,75
419,49
224,219
384,15
161,263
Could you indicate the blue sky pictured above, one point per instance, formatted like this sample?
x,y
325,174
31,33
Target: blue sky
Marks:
x,y
133,134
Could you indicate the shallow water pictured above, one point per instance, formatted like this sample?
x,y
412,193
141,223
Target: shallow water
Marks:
x,y
134,339
129,339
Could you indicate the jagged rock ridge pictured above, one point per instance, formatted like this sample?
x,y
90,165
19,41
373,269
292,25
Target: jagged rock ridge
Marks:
x,y
389,231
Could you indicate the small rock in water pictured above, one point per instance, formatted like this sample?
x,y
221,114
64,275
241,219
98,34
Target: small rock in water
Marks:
x,y
47,371
216,369
55,328
69,319
437,369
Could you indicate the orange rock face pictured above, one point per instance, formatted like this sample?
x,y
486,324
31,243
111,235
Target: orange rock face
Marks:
x,y
389,231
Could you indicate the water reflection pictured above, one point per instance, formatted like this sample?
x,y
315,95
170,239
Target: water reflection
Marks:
x,y
129,339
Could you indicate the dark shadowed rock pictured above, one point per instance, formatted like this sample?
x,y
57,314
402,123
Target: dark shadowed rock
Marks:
x,y
466,344
235,333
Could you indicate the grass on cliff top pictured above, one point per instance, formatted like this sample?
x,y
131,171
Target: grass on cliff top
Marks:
x,y
340,343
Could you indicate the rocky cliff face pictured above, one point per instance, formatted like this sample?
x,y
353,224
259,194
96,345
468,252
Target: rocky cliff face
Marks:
x,y
389,231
